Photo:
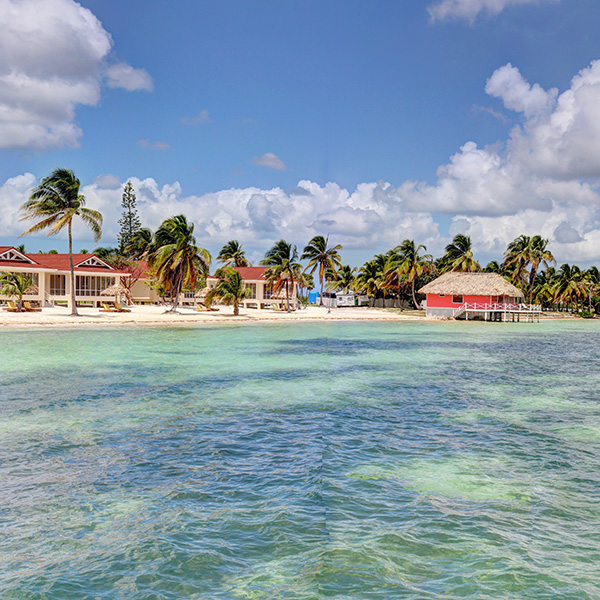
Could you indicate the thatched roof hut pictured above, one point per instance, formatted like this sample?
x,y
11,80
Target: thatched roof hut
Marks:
x,y
280,294
471,284
116,290
202,293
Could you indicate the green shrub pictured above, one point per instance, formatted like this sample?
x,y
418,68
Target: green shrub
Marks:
x,y
587,314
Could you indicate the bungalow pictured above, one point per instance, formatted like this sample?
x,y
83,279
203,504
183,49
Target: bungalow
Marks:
x,y
475,296
51,276
261,294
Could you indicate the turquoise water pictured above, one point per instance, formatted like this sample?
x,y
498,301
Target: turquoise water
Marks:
x,y
304,461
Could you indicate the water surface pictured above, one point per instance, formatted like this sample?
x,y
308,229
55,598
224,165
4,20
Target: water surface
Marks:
x,y
302,461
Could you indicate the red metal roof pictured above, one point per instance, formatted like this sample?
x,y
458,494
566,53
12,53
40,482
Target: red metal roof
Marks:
x,y
58,262
250,273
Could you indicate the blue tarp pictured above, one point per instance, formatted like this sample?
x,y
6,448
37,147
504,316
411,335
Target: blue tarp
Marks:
x,y
313,297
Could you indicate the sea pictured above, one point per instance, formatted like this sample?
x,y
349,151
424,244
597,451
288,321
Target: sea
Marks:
x,y
346,460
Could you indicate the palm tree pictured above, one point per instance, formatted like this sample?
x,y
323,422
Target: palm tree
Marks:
x,y
592,279
141,244
321,257
233,254
15,284
231,289
284,269
494,267
412,264
459,256
527,252
570,284
369,278
176,259
57,201
343,279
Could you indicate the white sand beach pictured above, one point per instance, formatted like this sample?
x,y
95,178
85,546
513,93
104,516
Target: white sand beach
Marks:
x,y
59,316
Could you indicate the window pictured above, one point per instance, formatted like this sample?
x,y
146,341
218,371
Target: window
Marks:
x,y
267,293
58,285
89,285
457,299
252,288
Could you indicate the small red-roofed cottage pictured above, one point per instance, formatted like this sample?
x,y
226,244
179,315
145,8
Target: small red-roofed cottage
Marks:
x,y
485,296
51,276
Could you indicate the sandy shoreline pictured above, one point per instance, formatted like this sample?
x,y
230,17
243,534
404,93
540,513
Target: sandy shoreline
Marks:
x,y
156,315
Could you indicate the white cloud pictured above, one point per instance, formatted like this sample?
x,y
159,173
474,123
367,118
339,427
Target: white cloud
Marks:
x,y
202,118
470,9
532,100
13,192
126,77
52,55
271,161
158,145
370,217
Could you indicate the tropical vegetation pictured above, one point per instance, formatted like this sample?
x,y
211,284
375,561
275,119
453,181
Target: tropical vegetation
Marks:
x,y
230,289
177,260
15,285
54,203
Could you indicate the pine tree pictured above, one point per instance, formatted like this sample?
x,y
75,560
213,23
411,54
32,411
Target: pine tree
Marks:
x,y
130,221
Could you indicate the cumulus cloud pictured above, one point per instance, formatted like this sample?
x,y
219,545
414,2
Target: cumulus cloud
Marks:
x,y
470,9
202,118
508,84
126,77
52,58
158,145
270,161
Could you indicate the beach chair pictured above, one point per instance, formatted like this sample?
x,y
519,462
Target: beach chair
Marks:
x,y
11,307
29,308
108,308
119,308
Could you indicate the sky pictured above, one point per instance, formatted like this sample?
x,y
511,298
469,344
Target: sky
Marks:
x,y
370,122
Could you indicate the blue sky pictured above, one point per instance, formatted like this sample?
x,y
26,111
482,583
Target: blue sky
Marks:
x,y
370,121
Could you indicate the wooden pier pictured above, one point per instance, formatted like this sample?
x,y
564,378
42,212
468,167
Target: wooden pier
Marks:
x,y
502,312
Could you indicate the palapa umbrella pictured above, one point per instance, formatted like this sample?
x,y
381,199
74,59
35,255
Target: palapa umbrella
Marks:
x,y
203,292
116,290
31,290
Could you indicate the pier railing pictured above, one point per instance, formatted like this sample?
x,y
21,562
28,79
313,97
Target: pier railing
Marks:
x,y
496,307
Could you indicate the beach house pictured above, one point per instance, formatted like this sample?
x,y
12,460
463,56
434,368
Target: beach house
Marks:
x,y
487,296
261,295
51,276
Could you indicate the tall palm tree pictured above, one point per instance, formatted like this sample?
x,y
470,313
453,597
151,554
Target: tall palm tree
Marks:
x,y
525,253
233,254
412,264
141,244
459,256
284,269
15,284
176,259
322,257
230,289
57,201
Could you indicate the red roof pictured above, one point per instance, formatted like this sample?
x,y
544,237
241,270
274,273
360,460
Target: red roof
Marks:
x,y
58,262
250,273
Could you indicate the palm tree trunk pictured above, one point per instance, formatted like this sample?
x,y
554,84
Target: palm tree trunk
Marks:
x,y
177,287
73,302
236,309
321,300
412,289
